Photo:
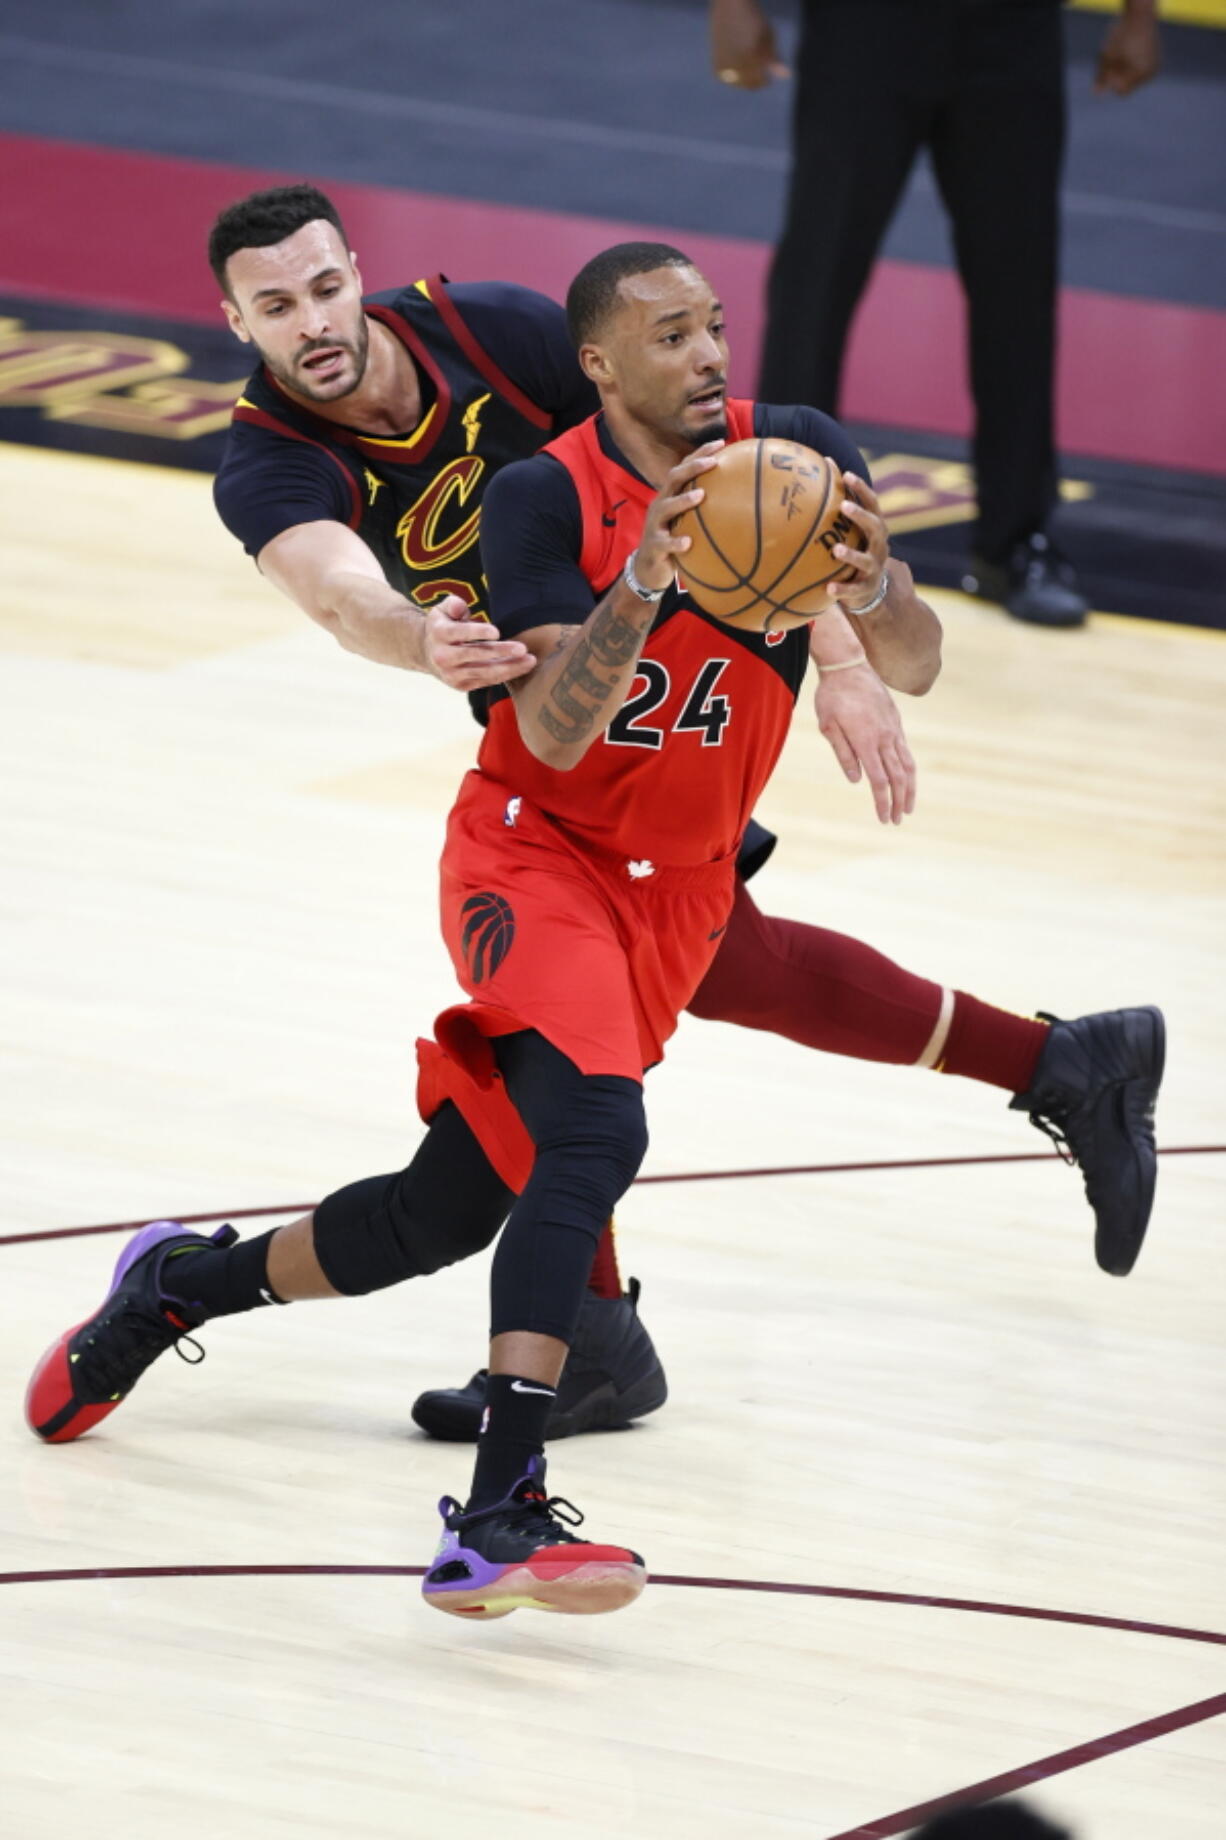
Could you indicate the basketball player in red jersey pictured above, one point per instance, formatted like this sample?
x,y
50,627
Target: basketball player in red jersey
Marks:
x,y
354,473
546,1060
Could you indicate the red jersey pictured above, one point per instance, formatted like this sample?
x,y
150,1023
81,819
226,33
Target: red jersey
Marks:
x,y
675,776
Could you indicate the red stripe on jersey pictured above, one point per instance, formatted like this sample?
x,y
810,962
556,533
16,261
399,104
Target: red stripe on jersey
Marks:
x,y
413,451
477,355
247,412
604,487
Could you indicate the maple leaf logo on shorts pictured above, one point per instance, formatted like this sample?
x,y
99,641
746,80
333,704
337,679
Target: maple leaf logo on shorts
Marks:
x,y
487,933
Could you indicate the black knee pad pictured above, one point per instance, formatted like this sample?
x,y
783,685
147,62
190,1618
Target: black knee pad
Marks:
x,y
592,1152
591,1136
447,1205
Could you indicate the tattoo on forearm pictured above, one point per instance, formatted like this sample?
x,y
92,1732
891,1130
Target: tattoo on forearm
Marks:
x,y
615,641
575,701
565,715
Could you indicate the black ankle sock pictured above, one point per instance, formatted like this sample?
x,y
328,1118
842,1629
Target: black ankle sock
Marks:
x,y
512,1430
221,1281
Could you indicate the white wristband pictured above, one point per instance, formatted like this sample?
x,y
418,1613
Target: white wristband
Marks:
x,y
883,588
649,595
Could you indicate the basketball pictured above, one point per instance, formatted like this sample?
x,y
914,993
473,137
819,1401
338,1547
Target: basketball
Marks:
x,y
763,536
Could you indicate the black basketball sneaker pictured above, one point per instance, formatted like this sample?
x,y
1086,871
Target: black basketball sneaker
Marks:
x,y
1093,1093
612,1376
520,1554
91,1369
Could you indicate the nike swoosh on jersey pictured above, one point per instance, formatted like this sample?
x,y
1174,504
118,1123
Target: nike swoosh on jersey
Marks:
x,y
609,518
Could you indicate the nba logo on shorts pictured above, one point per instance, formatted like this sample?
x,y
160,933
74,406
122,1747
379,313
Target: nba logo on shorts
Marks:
x,y
511,813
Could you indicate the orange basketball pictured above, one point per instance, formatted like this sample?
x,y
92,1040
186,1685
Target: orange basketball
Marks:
x,y
761,539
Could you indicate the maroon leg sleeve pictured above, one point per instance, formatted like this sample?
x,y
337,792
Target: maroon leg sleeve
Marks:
x,y
815,987
827,991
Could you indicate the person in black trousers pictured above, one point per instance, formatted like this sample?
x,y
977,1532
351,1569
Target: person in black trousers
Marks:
x,y
981,84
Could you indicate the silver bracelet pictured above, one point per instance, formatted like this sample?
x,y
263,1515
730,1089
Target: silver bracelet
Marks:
x,y
650,595
883,588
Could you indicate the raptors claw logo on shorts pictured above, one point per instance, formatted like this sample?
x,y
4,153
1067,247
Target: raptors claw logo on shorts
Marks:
x,y
487,933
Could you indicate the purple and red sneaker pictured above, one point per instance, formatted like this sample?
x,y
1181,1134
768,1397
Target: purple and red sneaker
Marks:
x,y
91,1369
520,1554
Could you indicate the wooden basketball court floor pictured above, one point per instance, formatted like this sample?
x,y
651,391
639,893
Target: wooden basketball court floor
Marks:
x,y
933,1504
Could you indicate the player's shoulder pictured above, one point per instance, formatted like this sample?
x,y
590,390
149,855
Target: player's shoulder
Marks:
x,y
262,417
503,300
812,428
490,309
539,485
800,422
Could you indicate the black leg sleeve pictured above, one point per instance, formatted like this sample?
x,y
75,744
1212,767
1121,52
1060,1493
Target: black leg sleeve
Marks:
x,y
445,1206
590,1135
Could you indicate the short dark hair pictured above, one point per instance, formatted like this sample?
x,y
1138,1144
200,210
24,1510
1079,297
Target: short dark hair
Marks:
x,y
264,218
593,292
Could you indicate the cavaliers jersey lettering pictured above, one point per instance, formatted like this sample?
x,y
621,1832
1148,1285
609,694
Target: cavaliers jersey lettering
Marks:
x,y
414,500
674,777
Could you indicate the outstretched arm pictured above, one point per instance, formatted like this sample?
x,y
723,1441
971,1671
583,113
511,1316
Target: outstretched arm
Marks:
x,y
333,576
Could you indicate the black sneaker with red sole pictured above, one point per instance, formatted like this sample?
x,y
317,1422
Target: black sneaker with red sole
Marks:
x,y
91,1369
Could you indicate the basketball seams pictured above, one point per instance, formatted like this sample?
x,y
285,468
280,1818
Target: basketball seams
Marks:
x,y
740,580
764,592
765,595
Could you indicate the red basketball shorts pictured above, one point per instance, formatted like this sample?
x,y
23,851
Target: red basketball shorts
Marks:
x,y
597,953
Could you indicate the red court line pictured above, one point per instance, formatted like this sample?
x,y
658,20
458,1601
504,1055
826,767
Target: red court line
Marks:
x,y
1141,380
1029,1773
690,1175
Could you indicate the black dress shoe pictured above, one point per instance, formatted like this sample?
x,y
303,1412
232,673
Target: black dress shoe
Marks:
x,y
1036,584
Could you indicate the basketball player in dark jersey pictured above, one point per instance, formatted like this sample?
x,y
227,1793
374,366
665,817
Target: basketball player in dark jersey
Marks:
x,y
293,492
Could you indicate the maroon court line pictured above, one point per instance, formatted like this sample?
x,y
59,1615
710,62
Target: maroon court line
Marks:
x,y
1030,1773
880,1829
692,1175
775,1587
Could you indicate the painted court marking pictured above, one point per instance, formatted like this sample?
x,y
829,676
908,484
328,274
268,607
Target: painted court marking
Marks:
x,y
1128,1737
1025,1775
692,1175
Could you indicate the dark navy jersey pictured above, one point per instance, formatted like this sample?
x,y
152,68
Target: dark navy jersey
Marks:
x,y
532,530
498,378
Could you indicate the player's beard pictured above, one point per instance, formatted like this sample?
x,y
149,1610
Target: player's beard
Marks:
x,y
715,429
297,379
